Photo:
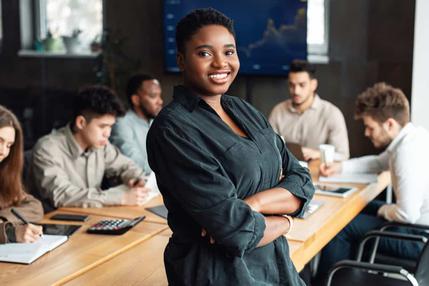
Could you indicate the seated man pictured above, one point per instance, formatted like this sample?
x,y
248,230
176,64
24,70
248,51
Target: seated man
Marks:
x,y
385,114
129,133
306,119
69,164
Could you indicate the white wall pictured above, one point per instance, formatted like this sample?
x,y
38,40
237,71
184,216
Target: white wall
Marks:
x,y
420,84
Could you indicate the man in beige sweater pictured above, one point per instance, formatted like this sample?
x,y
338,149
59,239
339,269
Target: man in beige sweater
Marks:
x,y
69,164
308,120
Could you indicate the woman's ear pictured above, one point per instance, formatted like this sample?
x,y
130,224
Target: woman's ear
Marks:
x,y
180,59
80,122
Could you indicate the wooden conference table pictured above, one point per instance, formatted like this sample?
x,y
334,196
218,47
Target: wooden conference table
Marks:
x,y
136,258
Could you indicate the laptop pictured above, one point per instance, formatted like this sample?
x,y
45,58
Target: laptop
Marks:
x,y
296,150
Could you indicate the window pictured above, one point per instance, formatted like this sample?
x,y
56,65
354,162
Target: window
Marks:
x,y
67,18
317,27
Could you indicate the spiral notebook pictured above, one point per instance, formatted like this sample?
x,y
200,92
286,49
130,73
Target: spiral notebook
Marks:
x,y
26,253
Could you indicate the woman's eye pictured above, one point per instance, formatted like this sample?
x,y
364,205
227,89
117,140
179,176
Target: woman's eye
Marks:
x,y
229,52
203,54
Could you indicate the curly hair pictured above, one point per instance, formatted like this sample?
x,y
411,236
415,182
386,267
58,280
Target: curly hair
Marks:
x,y
197,19
11,186
96,100
381,102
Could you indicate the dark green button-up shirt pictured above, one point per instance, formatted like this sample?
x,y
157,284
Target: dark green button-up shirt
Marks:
x,y
204,171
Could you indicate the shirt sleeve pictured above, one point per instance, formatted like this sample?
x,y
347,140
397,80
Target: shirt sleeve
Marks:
x,y
3,233
198,182
123,137
409,191
367,164
297,179
120,165
54,184
338,134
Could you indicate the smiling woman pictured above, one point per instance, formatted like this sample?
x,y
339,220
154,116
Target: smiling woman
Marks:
x,y
227,179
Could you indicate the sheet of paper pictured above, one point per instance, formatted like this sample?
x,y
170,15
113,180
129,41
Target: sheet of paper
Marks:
x,y
363,178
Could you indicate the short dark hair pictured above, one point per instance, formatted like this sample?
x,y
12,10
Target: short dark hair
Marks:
x,y
302,66
134,83
197,19
96,100
381,102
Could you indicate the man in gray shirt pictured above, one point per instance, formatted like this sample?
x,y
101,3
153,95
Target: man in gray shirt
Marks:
x,y
306,119
69,164
129,133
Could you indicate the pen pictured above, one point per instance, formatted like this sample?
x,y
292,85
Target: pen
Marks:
x,y
18,215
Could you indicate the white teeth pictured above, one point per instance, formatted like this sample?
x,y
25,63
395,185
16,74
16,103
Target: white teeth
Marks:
x,y
218,75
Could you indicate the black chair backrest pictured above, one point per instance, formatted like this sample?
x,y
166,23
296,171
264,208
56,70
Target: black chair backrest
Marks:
x,y
422,271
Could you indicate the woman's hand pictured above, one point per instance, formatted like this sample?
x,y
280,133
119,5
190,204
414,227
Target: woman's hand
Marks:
x,y
28,232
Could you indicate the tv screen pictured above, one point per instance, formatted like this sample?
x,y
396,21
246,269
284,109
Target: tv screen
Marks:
x,y
269,34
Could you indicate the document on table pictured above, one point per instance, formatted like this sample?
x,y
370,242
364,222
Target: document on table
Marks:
x,y
26,253
362,178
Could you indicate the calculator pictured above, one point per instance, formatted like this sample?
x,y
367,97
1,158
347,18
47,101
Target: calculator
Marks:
x,y
114,226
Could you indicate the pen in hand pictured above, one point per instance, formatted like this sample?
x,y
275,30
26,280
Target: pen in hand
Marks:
x,y
18,215
32,228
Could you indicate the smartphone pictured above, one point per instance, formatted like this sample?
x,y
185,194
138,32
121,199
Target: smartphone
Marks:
x,y
69,217
332,190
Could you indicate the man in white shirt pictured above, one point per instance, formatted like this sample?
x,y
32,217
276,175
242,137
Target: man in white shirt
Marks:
x,y
385,114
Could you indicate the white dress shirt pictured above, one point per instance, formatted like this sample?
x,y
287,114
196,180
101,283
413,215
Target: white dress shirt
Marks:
x,y
407,158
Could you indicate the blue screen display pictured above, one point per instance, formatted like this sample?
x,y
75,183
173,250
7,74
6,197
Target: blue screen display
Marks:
x,y
270,33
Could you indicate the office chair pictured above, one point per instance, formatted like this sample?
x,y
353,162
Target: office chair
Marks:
x,y
349,272
408,264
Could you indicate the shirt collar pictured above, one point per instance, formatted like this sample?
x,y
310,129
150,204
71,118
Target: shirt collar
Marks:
x,y
315,105
185,97
190,100
75,150
409,127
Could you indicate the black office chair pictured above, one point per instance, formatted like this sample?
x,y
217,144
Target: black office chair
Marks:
x,y
408,264
349,272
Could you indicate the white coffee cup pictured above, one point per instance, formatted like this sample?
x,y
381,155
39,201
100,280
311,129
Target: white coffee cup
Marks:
x,y
327,153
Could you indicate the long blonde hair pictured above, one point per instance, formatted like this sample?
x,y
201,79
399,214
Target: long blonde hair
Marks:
x,y
11,187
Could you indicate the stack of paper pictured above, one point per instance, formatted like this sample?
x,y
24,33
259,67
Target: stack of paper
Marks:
x,y
28,252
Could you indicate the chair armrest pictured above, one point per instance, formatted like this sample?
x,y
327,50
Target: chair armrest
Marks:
x,y
405,225
381,268
395,235
388,234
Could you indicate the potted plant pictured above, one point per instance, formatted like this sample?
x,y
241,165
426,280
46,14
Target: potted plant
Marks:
x,y
72,43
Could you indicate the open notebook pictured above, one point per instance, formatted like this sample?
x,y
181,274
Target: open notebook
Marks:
x,y
26,253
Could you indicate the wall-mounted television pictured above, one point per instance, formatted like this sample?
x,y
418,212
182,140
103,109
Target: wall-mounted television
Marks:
x,y
270,33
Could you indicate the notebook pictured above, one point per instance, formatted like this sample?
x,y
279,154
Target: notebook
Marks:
x,y
26,253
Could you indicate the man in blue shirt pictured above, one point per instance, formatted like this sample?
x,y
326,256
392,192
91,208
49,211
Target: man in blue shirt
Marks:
x,y
130,131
